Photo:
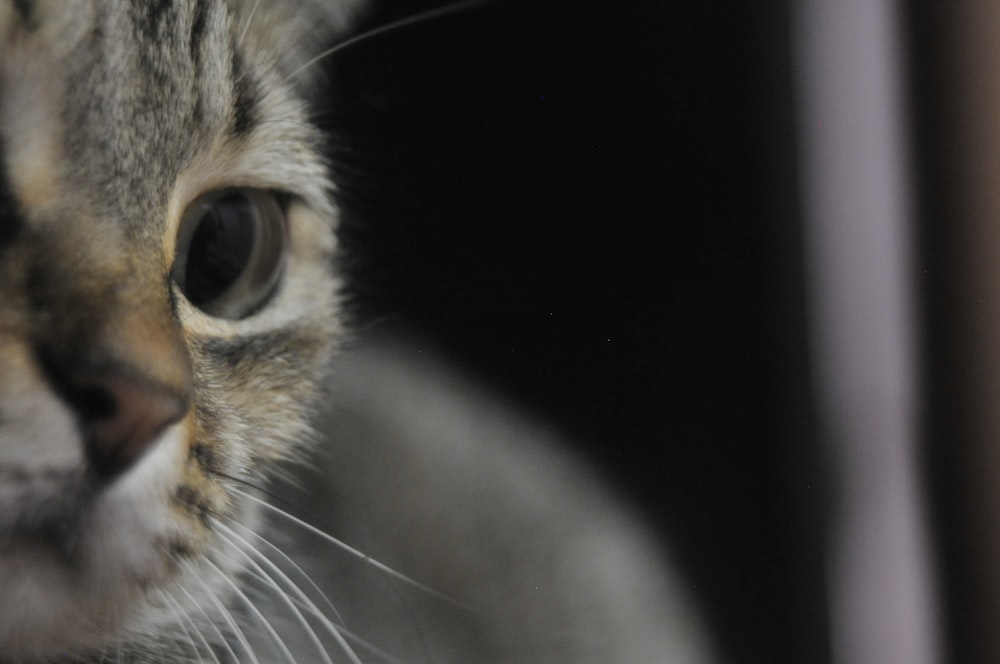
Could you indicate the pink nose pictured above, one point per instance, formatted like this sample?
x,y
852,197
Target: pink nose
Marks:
x,y
121,417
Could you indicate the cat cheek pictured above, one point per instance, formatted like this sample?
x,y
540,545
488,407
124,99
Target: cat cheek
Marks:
x,y
136,510
38,432
310,233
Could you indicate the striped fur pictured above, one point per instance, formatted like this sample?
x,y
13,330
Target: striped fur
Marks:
x,y
114,116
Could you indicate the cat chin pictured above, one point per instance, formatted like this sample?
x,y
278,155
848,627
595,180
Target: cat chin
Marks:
x,y
78,589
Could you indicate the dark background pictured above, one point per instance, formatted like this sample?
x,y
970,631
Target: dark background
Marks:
x,y
592,206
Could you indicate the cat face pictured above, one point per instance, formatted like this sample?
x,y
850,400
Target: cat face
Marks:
x,y
166,300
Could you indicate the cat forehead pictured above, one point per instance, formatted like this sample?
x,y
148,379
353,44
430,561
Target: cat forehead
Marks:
x,y
129,99
294,29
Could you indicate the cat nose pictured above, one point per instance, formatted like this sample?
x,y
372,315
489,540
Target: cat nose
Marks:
x,y
121,416
123,398
108,341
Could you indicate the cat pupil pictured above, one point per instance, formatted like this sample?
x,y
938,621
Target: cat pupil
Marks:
x,y
220,248
230,251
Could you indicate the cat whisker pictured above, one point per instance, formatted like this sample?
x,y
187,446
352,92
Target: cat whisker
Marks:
x,y
288,560
348,635
370,647
248,550
223,641
393,26
248,21
264,622
307,604
227,615
181,627
183,621
303,600
330,539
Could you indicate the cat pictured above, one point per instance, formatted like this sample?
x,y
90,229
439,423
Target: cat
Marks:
x,y
170,310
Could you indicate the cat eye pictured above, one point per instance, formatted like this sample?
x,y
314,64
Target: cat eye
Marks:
x,y
230,251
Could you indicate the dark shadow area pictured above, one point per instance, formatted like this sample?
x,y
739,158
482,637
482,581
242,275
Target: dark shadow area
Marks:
x,y
593,207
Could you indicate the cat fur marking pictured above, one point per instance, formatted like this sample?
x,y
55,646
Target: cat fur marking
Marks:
x,y
114,116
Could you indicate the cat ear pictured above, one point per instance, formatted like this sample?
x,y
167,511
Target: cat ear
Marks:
x,y
296,32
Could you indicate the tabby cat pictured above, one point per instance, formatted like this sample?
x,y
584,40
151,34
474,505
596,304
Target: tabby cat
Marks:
x,y
169,309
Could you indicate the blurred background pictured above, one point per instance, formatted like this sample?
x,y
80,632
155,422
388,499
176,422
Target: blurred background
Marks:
x,y
742,253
